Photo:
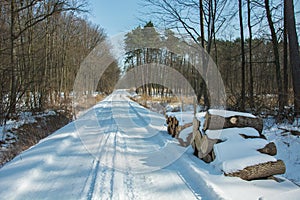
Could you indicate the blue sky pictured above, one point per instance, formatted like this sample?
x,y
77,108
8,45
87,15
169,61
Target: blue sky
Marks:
x,y
115,16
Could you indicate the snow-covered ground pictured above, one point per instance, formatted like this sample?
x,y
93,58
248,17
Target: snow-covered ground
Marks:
x,y
288,146
6,135
120,150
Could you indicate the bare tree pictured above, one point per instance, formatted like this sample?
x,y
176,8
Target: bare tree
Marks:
x,y
42,46
294,52
276,55
243,64
250,56
285,59
186,16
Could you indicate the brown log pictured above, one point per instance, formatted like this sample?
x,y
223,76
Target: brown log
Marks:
x,y
196,133
197,141
269,149
196,124
204,146
259,171
207,145
215,122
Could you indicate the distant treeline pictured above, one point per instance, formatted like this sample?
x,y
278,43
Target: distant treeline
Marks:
x,y
262,80
254,44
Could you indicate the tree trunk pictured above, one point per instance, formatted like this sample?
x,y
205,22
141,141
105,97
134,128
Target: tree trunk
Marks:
x,y
242,102
276,56
201,23
285,61
250,55
294,53
12,104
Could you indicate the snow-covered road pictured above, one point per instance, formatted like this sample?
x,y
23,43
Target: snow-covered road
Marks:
x,y
120,150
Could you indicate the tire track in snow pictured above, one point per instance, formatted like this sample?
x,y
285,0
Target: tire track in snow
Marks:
x,y
106,172
128,179
95,171
89,190
113,159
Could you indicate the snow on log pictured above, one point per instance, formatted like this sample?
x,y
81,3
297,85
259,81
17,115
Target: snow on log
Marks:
x,y
233,142
263,170
227,119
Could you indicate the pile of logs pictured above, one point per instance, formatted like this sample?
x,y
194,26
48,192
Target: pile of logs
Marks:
x,y
204,146
173,126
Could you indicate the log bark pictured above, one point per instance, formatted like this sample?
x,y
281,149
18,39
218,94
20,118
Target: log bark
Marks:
x,y
259,171
214,122
269,149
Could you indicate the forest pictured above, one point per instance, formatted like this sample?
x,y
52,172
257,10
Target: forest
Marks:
x,y
254,45
42,44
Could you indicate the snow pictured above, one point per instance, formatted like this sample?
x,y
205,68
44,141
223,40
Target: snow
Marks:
x,y
231,133
287,147
227,113
185,133
120,150
235,152
183,117
290,195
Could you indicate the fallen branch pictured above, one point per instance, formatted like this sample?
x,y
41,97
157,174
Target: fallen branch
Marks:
x,y
293,132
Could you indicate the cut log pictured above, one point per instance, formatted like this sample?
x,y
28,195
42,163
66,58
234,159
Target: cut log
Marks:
x,y
207,145
269,149
204,146
215,122
259,171
197,141
196,124
196,133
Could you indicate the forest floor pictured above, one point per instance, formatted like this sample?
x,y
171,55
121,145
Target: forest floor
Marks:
x,y
27,130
